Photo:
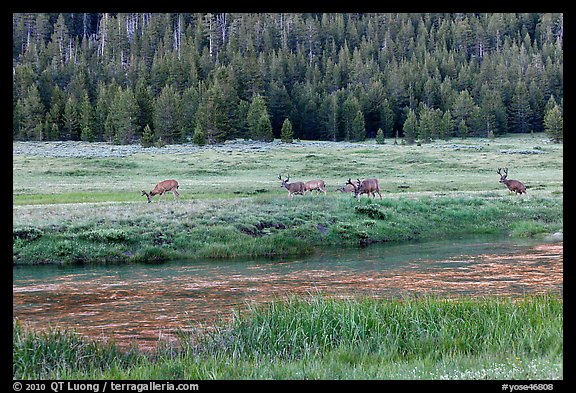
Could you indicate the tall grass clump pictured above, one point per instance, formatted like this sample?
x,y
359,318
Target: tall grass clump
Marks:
x,y
54,353
397,330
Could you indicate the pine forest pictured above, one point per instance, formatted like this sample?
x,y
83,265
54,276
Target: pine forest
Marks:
x,y
156,79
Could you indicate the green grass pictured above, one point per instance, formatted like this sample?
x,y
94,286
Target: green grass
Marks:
x,y
212,174
232,205
324,338
264,226
72,197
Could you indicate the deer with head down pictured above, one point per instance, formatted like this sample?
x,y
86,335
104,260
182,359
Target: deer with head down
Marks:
x,y
297,187
346,188
367,186
317,185
513,185
162,188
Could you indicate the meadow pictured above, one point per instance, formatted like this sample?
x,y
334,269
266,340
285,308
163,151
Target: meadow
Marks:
x,y
90,210
77,210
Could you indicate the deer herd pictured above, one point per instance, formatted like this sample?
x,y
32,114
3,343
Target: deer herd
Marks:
x,y
359,187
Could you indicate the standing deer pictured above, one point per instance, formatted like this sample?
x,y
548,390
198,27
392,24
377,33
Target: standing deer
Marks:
x,y
317,185
162,188
367,186
513,185
293,188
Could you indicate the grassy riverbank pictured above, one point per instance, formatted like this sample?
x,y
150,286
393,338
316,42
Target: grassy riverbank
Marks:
x,y
266,226
323,338
89,210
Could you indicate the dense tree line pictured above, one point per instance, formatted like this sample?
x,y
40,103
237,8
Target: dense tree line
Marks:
x,y
170,78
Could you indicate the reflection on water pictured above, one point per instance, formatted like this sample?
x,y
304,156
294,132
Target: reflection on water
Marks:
x,y
144,304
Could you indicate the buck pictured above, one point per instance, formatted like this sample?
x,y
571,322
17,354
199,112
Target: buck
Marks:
x,y
297,187
513,185
317,185
163,188
367,186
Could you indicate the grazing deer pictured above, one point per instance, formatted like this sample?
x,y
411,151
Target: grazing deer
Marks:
x,y
317,185
163,188
513,185
368,186
346,188
297,187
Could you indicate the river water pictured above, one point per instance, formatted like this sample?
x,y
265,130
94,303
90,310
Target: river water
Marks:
x,y
142,304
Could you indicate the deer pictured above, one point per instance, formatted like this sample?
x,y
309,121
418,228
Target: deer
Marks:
x,y
367,186
163,187
293,188
513,185
346,188
317,185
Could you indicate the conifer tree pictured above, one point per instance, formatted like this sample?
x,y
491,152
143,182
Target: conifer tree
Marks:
x,y
264,129
256,111
71,118
358,128
17,120
147,137
350,109
189,109
121,122
462,110
86,120
380,136
446,126
493,112
387,118
242,130
410,127
31,115
286,134
199,137
463,129
425,123
212,115
554,124
144,104
167,114
520,111
128,116
331,116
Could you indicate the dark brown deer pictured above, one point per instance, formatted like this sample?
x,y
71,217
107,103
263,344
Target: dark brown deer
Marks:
x,y
297,187
317,185
367,186
513,185
162,188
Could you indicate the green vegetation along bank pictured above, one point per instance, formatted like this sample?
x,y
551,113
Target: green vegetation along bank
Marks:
x,y
273,227
324,338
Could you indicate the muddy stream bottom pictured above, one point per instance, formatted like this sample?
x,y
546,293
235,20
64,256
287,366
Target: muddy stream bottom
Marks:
x,y
144,304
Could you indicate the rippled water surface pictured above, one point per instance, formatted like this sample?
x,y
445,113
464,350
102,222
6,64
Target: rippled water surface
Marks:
x,y
144,303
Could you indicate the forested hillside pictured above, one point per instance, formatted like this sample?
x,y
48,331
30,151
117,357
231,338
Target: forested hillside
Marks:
x,y
172,78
